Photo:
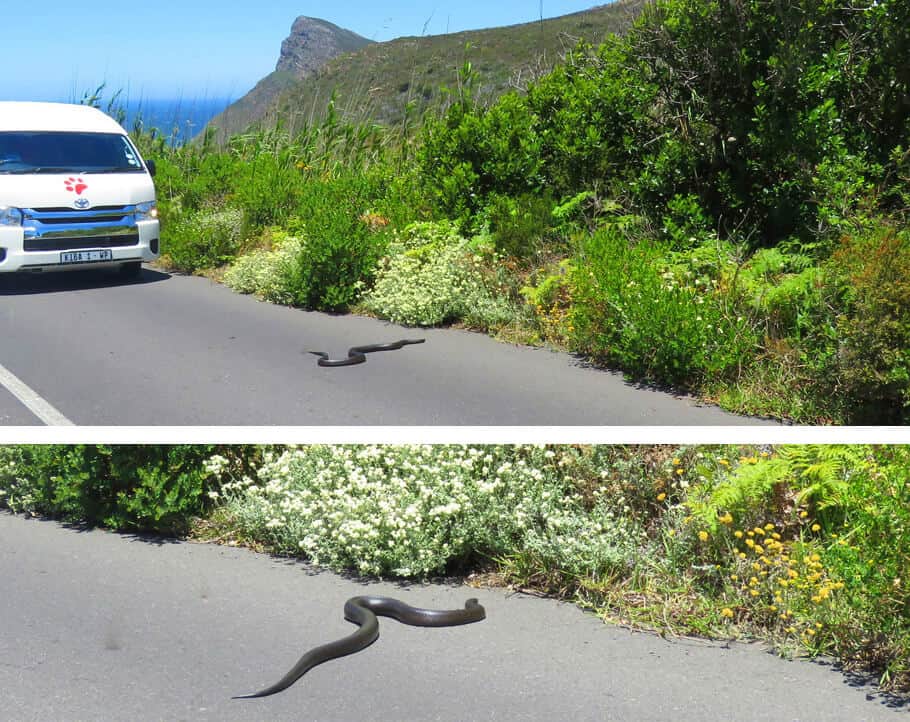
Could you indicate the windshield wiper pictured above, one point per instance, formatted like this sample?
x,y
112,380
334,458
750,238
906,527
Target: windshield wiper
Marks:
x,y
51,169
113,169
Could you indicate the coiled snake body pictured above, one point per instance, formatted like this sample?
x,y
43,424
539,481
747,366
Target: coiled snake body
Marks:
x,y
362,611
357,354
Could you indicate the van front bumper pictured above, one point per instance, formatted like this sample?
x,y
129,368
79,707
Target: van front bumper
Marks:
x,y
143,246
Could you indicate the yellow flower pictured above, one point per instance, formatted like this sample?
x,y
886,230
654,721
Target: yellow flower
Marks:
x,y
738,534
703,535
726,519
753,592
676,462
726,612
816,527
769,527
803,514
757,549
680,471
661,496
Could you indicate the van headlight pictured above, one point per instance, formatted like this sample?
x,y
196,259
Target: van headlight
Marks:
x,y
146,211
10,216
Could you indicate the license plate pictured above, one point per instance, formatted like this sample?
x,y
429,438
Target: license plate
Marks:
x,y
103,254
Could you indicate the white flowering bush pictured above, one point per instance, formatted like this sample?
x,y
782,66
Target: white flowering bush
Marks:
x,y
431,276
17,488
203,239
269,274
416,510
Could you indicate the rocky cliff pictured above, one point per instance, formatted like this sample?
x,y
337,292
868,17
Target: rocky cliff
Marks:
x,y
311,44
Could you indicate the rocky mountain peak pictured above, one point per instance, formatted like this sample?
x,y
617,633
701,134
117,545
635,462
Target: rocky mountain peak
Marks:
x,y
312,43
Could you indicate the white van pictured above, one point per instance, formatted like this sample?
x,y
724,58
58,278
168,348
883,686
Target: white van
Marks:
x,y
74,191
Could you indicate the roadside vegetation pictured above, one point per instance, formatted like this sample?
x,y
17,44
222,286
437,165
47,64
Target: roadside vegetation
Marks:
x,y
804,547
716,200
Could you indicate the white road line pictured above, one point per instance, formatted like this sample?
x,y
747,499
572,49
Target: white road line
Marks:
x,y
33,402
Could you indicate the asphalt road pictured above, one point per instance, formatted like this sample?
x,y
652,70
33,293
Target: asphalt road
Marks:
x,y
101,626
176,350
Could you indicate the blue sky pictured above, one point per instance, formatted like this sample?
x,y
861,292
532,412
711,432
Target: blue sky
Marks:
x,y
194,49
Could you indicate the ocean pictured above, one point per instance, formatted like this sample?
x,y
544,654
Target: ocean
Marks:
x,y
177,119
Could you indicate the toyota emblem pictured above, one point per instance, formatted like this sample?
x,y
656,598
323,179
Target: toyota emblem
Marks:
x,y
82,204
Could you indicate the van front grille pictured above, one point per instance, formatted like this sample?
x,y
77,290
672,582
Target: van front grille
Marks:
x,y
68,224
76,244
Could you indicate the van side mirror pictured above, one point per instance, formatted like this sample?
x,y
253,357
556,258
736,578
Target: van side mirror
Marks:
x,y
150,164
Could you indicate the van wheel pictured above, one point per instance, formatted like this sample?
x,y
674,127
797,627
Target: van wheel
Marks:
x,y
131,269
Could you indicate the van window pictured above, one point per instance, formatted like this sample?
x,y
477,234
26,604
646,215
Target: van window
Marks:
x,y
67,152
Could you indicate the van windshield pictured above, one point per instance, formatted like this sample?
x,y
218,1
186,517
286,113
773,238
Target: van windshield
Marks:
x,y
67,152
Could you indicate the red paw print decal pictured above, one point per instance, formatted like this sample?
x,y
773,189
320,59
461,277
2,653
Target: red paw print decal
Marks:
x,y
75,185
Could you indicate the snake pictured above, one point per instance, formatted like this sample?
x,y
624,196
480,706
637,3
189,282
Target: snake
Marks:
x,y
363,612
357,354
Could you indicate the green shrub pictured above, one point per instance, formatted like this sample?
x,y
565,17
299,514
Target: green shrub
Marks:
x,y
873,354
470,153
267,186
593,116
345,238
520,226
155,488
632,311
203,239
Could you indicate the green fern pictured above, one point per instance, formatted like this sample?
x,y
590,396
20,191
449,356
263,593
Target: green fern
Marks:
x,y
817,474
822,473
748,486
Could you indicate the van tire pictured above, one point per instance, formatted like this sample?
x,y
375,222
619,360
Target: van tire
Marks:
x,y
131,270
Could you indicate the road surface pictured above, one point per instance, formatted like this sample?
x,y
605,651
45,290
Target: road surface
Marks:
x,y
101,626
89,349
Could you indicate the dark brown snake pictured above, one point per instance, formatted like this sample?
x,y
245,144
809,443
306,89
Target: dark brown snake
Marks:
x,y
357,354
362,611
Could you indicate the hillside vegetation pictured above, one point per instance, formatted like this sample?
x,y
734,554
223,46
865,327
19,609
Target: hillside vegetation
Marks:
x,y
384,82
716,200
802,546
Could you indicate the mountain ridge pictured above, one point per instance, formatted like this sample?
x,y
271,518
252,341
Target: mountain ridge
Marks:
x,y
382,81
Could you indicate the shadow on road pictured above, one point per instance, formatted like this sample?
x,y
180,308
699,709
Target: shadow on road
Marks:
x,y
868,683
23,284
83,528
